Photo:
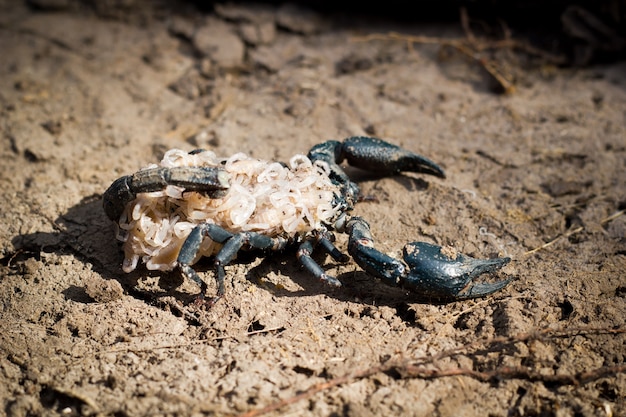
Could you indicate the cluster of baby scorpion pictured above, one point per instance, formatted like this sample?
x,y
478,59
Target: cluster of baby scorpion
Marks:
x,y
264,197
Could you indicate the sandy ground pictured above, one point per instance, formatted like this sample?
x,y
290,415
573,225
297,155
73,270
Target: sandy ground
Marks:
x,y
84,100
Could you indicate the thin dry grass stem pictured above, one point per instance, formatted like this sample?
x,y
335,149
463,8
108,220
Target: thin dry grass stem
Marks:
x,y
473,47
572,232
553,241
465,24
517,372
612,217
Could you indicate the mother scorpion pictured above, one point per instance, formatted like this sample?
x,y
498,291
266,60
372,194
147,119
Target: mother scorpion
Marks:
x,y
196,204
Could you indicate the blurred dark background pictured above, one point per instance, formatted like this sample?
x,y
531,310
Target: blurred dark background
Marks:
x,y
588,32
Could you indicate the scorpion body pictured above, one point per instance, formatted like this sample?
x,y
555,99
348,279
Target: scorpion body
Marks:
x,y
195,204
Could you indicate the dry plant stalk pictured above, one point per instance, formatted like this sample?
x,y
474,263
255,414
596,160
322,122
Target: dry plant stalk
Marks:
x,y
473,47
417,367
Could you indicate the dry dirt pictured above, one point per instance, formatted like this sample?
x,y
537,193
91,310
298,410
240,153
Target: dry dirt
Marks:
x,y
84,100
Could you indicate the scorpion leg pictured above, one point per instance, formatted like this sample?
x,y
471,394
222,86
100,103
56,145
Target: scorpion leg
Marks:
x,y
432,272
325,241
125,189
232,243
374,262
305,250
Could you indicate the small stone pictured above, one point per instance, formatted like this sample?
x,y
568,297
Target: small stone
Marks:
x,y
103,290
273,59
182,27
559,188
267,58
256,13
217,41
298,20
258,33
206,67
53,127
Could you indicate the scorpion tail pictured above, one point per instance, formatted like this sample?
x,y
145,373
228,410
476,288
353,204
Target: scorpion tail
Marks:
x,y
125,189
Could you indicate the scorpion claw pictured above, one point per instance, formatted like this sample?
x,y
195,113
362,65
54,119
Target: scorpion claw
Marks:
x,y
379,156
446,274
433,271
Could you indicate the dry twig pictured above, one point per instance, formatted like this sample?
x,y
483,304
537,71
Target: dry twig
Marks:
x,y
416,367
518,372
472,47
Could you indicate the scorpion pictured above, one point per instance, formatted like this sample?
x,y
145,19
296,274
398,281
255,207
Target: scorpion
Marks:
x,y
196,205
